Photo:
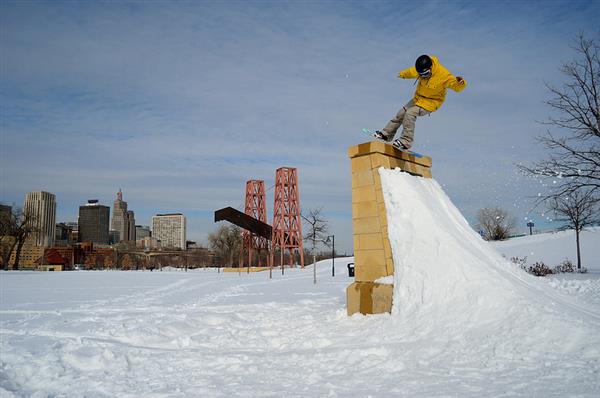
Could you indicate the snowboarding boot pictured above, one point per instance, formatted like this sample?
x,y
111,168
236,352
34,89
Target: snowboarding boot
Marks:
x,y
399,145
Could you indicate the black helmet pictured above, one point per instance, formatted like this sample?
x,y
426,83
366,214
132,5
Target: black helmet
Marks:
x,y
423,65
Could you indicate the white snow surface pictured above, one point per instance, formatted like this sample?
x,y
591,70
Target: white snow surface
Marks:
x,y
555,247
466,323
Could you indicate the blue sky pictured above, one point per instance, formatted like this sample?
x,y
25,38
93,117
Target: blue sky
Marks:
x,y
180,103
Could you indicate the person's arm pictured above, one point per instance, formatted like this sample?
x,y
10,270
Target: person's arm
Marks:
x,y
457,84
410,73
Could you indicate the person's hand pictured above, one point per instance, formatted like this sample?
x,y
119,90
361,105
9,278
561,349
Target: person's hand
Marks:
x,y
460,80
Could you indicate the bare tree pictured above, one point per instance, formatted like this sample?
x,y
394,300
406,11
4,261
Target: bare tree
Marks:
x,y
15,229
7,239
577,210
574,160
315,233
495,223
226,242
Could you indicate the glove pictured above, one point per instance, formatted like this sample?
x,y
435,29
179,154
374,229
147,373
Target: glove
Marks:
x,y
460,80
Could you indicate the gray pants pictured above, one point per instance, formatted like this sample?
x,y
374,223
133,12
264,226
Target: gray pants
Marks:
x,y
406,117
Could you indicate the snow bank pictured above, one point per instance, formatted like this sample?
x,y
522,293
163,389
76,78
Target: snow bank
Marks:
x,y
552,248
448,280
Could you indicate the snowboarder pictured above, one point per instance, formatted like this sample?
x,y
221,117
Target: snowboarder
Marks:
x,y
434,79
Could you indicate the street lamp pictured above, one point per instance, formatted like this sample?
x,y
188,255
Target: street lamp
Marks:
x,y
332,253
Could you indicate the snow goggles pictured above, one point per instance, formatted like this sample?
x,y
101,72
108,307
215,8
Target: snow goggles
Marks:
x,y
425,73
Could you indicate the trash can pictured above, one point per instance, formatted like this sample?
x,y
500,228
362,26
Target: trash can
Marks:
x,y
351,270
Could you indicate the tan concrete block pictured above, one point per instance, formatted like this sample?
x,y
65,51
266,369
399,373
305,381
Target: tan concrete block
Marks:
x,y
361,163
369,258
389,266
381,212
365,209
370,241
371,273
378,195
376,180
362,179
379,160
387,248
356,242
367,225
369,298
359,150
364,194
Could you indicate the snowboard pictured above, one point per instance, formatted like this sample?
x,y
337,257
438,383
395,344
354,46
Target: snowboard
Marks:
x,y
371,133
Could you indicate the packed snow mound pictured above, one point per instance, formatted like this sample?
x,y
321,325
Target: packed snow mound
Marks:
x,y
445,273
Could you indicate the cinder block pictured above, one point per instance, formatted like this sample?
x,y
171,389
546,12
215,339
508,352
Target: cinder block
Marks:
x,y
367,225
365,209
362,179
380,160
361,163
387,248
369,298
370,273
369,258
389,265
364,194
371,242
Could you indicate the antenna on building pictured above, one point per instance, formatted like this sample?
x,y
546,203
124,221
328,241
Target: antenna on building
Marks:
x,y
120,195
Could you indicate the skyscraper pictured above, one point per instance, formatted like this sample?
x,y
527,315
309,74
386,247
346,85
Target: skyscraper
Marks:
x,y
42,208
120,219
131,225
170,229
93,223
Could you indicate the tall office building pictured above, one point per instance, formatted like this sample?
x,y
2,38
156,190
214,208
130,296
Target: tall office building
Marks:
x,y
170,229
131,225
42,207
93,223
120,217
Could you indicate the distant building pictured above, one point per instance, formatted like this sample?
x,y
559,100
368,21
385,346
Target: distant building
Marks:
x,y
29,256
114,237
66,234
131,227
170,230
42,207
121,218
93,223
141,232
150,243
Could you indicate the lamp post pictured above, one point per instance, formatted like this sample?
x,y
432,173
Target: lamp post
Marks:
x,y
332,253
530,225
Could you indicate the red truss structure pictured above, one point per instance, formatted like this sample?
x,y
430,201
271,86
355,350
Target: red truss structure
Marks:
x,y
255,207
287,227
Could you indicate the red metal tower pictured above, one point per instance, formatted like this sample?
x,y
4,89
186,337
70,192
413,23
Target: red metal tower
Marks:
x,y
287,227
255,207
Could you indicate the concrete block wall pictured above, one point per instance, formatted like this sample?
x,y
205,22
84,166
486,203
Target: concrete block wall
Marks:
x,y
372,252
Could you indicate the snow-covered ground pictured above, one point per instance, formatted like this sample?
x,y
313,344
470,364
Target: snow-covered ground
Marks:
x,y
554,247
466,322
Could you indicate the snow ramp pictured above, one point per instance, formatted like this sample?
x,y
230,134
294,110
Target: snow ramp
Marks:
x,y
445,273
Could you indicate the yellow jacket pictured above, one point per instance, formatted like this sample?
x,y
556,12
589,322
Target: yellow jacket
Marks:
x,y
431,92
